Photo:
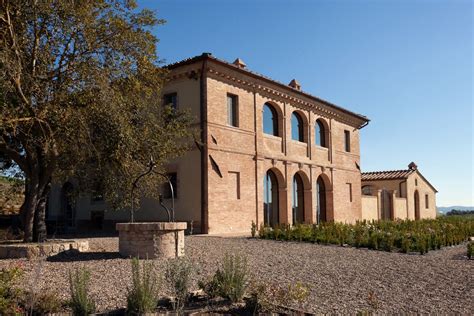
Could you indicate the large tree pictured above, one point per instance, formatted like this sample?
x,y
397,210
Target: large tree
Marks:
x,y
79,97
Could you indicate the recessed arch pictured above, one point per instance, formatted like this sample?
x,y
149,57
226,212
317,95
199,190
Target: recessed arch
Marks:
x,y
271,119
321,204
321,136
417,205
297,199
271,214
297,127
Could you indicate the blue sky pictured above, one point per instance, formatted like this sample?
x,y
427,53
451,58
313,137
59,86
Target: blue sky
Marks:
x,y
407,65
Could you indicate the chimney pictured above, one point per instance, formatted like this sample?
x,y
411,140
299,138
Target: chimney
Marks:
x,y
239,63
295,85
412,166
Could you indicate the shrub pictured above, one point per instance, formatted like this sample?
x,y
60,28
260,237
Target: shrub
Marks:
x,y
470,250
398,235
142,297
230,279
9,295
253,229
178,276
275,298
45,303
81,303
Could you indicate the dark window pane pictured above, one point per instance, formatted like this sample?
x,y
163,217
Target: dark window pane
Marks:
x,y
171,99
232,110
296,127
347,137
270,120
320,134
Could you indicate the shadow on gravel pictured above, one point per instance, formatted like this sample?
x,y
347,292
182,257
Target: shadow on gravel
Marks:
x,y
70,256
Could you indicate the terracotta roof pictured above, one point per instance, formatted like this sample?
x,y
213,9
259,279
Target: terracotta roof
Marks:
x,y
194,59
386,175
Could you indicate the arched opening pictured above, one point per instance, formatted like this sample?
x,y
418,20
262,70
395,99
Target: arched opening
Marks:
x,y
68,206
270,200
368,190
270,120
298,199
417,205
321,134
321,208
297,131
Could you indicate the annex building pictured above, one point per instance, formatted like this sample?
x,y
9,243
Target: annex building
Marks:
x,y
268,153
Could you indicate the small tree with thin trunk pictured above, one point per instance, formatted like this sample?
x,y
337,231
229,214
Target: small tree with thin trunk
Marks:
x,y
80,97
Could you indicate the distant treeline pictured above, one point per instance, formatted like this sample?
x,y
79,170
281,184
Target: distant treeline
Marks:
x,y
460,212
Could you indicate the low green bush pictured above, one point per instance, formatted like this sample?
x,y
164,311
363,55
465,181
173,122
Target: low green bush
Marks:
x,y
81,303
142,296
44,303
10,296
230,280
253,229
399,235
178,277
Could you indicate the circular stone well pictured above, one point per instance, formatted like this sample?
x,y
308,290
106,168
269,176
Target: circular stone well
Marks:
x,y
151,240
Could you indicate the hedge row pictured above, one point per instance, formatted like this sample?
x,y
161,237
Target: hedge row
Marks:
x,y
400,235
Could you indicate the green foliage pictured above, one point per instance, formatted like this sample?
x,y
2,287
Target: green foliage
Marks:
x,y
81,303
80,96
470,250
275,298
230,280
9,295
45,303
253,229
178,276
401,235
142,297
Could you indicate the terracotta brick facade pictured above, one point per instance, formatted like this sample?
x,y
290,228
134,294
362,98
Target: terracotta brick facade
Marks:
x,y
238,158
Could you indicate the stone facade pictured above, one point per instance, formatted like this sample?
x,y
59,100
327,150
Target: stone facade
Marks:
x,y
151,240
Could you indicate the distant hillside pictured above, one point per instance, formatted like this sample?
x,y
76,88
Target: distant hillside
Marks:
x,y
445,209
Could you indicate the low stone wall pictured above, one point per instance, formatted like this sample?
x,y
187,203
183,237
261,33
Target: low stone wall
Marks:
x,y
151,240
46,249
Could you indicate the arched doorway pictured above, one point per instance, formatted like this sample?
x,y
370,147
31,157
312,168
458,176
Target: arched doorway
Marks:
x,y
68,206
270,200
298,199
417,205
321,208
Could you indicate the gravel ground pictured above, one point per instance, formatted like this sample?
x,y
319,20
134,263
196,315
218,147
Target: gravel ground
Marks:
x,y
341,279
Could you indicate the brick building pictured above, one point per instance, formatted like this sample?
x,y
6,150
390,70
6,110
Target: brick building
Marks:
x,y
397,194
270,153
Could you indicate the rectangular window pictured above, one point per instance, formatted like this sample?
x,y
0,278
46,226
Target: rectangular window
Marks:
x,y
171,99
173,176
234,188
427,204
347,141
232,110
349,189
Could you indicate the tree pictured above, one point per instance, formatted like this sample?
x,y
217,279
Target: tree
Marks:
x,y
79,88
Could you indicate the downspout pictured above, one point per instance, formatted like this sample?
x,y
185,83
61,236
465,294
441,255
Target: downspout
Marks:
x,y
204,148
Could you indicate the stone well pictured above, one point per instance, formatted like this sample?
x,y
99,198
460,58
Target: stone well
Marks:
x,y
151,240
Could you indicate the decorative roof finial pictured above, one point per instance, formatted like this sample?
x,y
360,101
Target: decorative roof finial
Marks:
x,y
240,63
412,166
295,84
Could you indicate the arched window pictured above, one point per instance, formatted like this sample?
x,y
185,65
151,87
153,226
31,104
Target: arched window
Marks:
x,y
297,127
321,215
320,136
270,120
270,199
298,199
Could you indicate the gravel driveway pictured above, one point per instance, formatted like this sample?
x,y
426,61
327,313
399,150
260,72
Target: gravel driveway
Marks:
x,y
342,280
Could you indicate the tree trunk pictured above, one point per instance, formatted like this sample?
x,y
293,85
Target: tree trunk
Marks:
x,y
29,208
39,227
